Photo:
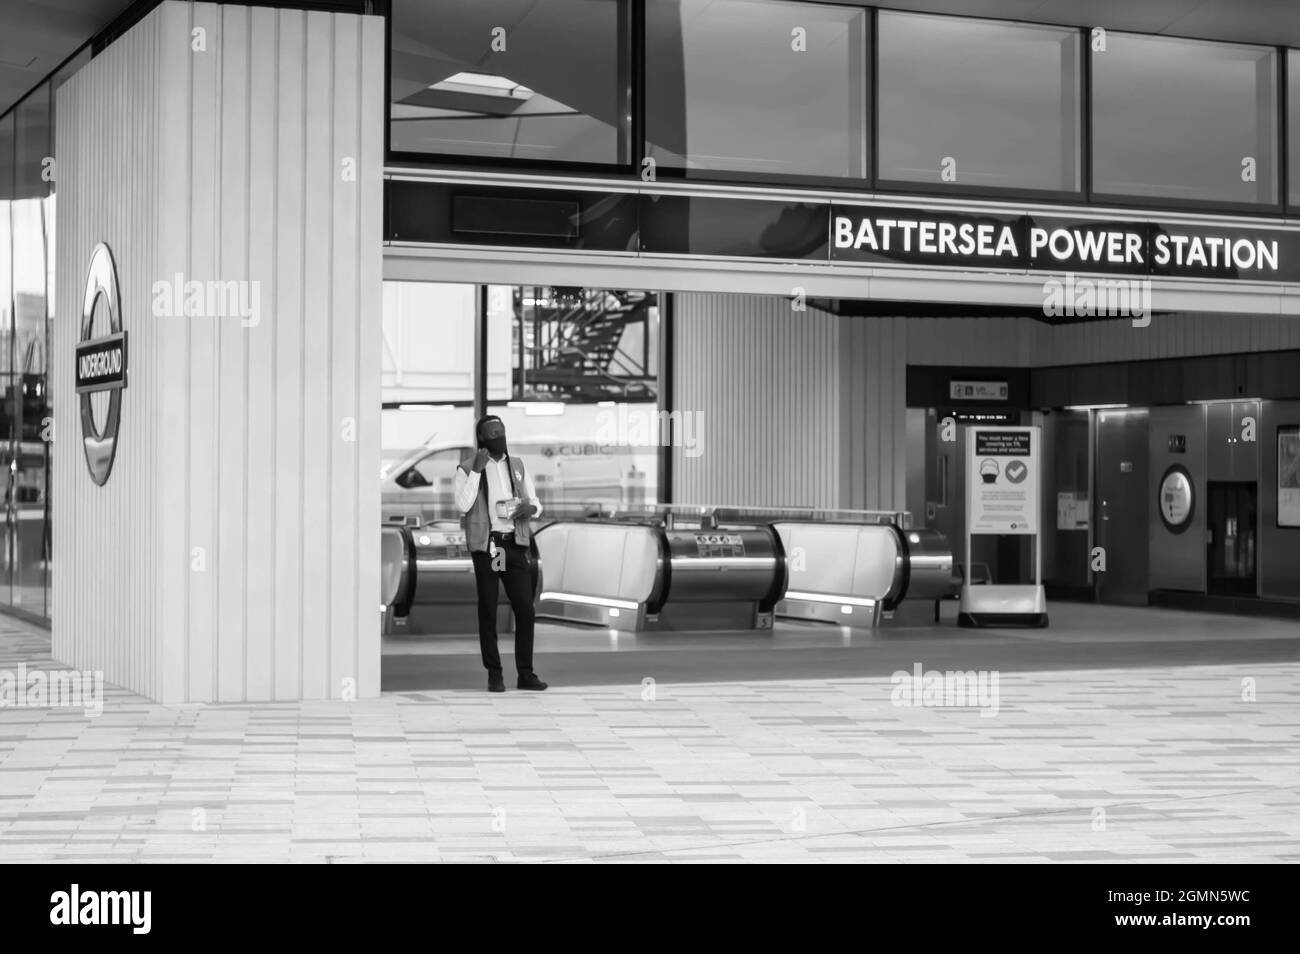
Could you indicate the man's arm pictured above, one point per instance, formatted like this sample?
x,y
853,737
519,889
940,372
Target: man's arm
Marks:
x,y
530,495
467,482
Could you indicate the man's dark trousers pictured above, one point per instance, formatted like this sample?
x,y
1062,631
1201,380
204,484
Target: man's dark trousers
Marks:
x,y
519,576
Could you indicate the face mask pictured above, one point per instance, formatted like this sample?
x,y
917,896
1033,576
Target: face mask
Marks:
x,y
496,446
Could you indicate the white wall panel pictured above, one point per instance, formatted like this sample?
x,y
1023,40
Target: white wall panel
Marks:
x,y
105,575
233,554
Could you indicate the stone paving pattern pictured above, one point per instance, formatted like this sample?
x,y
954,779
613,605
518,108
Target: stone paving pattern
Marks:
x,y
1158,760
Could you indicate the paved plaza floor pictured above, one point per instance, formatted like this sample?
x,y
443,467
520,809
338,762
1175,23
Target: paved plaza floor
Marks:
x,y
1116,735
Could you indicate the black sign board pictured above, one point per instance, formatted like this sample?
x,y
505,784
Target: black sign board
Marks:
x,y
1044,243
816,230
101,363
980,415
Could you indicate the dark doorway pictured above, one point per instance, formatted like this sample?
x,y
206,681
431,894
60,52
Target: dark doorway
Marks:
x,y
1121,517
1230,538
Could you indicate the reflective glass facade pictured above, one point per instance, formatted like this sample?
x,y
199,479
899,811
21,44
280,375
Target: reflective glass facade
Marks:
x,y
26,312
510,79
772,88
1293,127
1186,120
790,92
979,103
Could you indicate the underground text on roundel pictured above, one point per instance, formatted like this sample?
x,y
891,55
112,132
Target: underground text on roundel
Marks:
x,y
76,907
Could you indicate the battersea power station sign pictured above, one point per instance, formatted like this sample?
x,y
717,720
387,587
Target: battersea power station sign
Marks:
x,y
927,237
818,230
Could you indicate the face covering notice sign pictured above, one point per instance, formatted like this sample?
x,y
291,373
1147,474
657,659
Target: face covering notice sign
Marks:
x,y
1002,480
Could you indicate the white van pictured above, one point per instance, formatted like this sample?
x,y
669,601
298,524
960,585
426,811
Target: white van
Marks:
x,y
564,472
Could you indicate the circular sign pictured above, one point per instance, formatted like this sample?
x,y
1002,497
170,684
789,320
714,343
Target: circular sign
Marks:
x,y
1176,499
101,364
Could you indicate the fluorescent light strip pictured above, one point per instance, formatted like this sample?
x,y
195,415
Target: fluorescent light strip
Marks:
x,y
830,598
589,600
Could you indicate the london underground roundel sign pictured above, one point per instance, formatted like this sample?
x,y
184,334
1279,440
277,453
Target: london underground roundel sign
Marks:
x,y
101,364
1177,500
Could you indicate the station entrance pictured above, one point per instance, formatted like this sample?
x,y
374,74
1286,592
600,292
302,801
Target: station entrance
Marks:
x,y
613,404
584,380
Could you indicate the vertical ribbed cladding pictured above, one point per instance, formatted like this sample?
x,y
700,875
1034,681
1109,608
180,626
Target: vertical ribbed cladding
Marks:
x,y
872,365
285,472
260,422
764,378
1168,335
1021,342
103,587
371,120
234,552
169,368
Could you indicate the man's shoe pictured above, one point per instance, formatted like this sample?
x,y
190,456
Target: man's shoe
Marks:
x,y
531,681
496,682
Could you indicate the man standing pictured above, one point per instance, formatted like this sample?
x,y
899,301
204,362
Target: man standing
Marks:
x,y
496,512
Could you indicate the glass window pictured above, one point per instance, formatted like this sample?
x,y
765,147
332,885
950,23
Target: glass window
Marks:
x,y
1293,125
26,394
756,86
585,456
511,79
572,371
429,343
978,103
1184,119
8,442
436,468
576,345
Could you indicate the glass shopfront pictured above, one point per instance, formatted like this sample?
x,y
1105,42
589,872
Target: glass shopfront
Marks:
x,y
573,373
27,187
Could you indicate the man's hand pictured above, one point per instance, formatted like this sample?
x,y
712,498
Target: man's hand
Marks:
x,y
480,460
523,511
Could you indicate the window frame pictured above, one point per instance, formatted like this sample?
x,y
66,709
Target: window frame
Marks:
x,y
957,189
630,39
635,52
1166,203
740,177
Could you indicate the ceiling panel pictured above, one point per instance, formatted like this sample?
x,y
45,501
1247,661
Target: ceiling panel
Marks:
x,y
37,35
